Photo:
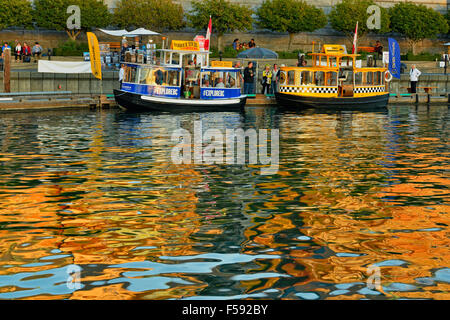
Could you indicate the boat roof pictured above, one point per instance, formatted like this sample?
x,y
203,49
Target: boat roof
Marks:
x,y
184,51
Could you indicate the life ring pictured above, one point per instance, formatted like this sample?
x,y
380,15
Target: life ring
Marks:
x,y
387,76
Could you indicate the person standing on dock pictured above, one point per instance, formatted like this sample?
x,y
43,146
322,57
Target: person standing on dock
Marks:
x,y
414,75
275,78
121,74
266,80
249,79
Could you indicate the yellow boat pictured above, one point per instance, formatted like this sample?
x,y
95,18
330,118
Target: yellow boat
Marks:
x,y
335,80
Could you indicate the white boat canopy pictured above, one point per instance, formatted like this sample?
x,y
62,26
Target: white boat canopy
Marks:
x,y
134,33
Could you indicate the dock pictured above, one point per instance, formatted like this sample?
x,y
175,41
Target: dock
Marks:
x,y
15,101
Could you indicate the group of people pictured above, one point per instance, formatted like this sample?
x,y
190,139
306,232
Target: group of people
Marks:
x,y
24,52
269,81
243,45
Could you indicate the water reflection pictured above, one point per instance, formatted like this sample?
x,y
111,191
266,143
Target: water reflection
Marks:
x,y
98,190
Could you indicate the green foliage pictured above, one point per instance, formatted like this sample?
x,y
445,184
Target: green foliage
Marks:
x,y
228,52
71,48
52,14
447,16
291,16
226,16
343,17
289,54
423,56
156,15
417,22
15,13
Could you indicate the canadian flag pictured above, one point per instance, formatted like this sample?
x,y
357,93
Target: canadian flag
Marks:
x,y
208,34
355,38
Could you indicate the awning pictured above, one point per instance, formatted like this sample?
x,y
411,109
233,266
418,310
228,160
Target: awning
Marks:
x,y
134,33
64,67
115,33
142,32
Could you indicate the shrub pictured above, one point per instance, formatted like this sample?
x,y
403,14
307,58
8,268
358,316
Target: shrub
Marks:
x,y
71,48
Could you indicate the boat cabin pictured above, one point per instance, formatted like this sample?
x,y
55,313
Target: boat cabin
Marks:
x,y
183,74
333,73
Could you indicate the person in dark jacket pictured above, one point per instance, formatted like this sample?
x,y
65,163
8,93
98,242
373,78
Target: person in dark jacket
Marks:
x,y
249,79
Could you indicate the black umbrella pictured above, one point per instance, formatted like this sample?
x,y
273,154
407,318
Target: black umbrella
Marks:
x,y
257,53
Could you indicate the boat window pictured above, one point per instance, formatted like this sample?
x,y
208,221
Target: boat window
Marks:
x,y
206,79
144,73
130,74
159,76
358,78
306,77
369,78
291,78
175,58
377,78
173,78
349,78
319,78
331,78
282,77
332,62
232,80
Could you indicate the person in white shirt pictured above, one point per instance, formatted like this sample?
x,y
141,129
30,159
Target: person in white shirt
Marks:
x,y
414,74
220,83
121,75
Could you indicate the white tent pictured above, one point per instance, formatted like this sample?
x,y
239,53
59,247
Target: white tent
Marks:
x,y
116,33
142,32
134,33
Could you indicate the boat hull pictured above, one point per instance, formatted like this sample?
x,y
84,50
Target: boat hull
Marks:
x,y
137,102
295,102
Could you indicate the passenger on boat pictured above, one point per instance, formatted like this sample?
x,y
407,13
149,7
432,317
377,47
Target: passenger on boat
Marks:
x,y
220,83
206,84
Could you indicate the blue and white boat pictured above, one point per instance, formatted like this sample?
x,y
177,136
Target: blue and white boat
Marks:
x,y
181,81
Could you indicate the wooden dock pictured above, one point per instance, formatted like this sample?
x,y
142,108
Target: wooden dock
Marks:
x,y
53,100
419,98
260,99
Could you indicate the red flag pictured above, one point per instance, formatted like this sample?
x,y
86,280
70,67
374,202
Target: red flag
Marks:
x,y
355,38
208,34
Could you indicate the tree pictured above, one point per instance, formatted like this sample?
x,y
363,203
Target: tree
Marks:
x,y
292,16
226,17
158,15
447,16
343,18
417,22
15,13
52,14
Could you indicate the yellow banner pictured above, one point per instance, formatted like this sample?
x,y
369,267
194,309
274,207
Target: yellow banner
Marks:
x,y
94,52
185,45
222,64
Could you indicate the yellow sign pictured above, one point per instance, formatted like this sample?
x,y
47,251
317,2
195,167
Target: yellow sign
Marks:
x,y
185,45
94,52
333,48
222,64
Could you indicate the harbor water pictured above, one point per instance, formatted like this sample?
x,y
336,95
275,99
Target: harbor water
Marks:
x,y
92,206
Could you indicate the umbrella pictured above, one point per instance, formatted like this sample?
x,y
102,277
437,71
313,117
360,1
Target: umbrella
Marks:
x,y
257,53
142,32
116,33
134,33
